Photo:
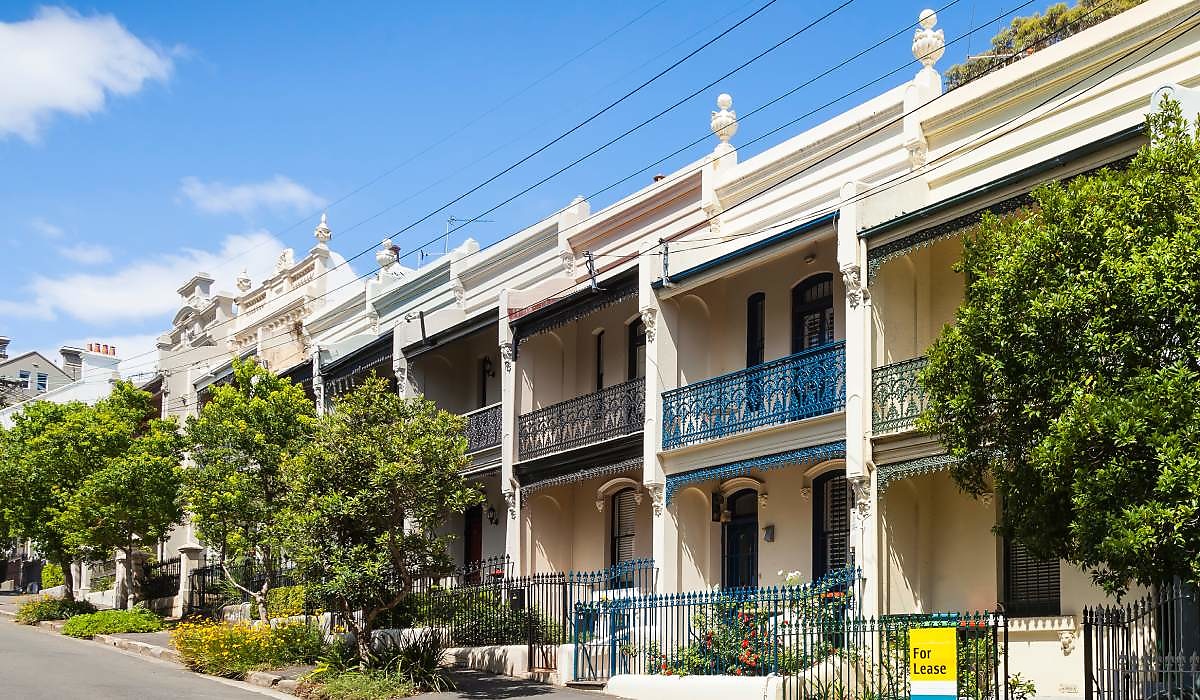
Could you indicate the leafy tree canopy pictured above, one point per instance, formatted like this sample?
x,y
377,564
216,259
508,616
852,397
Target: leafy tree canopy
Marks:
x,y
50,450
1036,31
381,475
1070,382
239,444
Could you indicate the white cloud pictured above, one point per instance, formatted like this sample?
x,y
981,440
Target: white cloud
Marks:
x,y
278,193
61,61
86,253
146,288
45,229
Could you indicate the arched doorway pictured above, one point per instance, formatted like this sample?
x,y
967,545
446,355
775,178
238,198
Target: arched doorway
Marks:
x,y
739,550
831,522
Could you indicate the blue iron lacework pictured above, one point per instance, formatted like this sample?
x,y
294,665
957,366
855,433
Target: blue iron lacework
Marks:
x,y
799,457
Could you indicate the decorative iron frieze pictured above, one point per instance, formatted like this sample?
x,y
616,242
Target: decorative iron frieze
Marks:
x,y
891,473
575,477
896,396
611,412
484,428
800,457
571,308
806,384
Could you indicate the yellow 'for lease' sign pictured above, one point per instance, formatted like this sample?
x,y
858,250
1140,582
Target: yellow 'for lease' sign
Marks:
x,y
932,654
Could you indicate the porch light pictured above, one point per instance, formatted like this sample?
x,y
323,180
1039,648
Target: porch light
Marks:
x,y
491,515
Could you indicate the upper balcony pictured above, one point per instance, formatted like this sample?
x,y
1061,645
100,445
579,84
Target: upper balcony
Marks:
x,y
897,398
484,428
809,383
612,412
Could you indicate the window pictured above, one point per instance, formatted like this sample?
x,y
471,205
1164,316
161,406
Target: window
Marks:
x,y
739,541
599,360
831,523
43,381
812,312
755,328
624,514
637,350
485,372
23,375
1030,584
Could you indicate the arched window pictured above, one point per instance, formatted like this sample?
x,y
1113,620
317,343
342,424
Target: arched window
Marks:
x,y
623,531
755,328
740,541
599,360
812,312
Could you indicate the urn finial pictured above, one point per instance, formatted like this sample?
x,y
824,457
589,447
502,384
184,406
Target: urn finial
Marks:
x,y
724,121
322,232
243,282
928,43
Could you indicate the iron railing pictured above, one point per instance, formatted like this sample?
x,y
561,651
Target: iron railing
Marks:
x,y
612,412
1145,650
103,576
809,383
484,427
159,579
897,398
210,589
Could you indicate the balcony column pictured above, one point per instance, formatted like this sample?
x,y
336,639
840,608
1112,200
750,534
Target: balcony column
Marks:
x,y
852,260
659,319
508,438
318,381
400,367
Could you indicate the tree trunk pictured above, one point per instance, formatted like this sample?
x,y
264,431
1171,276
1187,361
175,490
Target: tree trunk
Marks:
x,y
68,579
362,635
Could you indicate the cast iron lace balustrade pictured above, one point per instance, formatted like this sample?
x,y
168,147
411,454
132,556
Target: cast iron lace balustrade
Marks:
x,y
484,426
611,412
896,396
809,383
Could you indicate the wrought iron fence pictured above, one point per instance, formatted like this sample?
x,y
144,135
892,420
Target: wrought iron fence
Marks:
x,y
484,427
809,635
103,576
806,384
1145,650
210,589
611,412
896,396
160,579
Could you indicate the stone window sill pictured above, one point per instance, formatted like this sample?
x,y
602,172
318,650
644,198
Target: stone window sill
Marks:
x,y
1045,623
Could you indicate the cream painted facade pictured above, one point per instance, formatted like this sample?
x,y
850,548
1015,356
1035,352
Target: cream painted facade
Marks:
x,y
717,371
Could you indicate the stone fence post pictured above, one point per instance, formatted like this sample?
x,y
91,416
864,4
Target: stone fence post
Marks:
x,y
189,561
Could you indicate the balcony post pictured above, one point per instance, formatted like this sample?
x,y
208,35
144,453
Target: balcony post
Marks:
x,y
508,437
865,527
659,320
400,366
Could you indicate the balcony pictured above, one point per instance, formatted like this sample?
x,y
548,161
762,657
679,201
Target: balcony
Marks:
x,y
484,427
611,412
896,396
809,383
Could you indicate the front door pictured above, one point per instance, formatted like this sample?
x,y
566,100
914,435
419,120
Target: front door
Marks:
x,y
740,541
831,523
473,542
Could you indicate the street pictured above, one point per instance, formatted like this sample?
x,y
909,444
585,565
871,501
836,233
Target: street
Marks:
x,y
38,665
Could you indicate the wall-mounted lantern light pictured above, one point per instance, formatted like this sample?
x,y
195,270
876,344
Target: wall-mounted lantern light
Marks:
x,y
491,515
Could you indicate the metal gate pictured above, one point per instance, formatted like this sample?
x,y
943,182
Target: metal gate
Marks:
x,y
1145,650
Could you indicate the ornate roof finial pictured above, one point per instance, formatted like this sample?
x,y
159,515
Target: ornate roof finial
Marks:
x,y
928,43
387,254
322,231
243,282
724,123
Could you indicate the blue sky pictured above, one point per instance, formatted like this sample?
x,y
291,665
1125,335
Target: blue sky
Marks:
x,y
141,141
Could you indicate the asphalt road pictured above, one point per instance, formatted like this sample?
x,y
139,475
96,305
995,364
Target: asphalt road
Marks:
x,y
39,665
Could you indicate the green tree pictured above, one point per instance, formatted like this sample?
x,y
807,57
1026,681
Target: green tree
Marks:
x,y
235,492
45,457
380,476
134,497
1070,382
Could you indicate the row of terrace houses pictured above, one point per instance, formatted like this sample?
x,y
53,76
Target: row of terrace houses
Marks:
x,y
718,371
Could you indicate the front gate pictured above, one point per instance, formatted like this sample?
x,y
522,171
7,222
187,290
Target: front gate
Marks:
x,y
1146,650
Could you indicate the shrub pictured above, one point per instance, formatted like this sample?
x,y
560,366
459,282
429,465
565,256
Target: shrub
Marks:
x,y
232,650
285,601
418,660
112,622
36,611
358,685
52,575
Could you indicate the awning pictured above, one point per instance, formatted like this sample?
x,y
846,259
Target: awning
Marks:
x,y
583,475
529,322
896,471
803,456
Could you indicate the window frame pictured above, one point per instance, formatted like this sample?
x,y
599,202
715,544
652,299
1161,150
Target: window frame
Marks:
x,y
756,329
637,339
615,536
823,304
1017,560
